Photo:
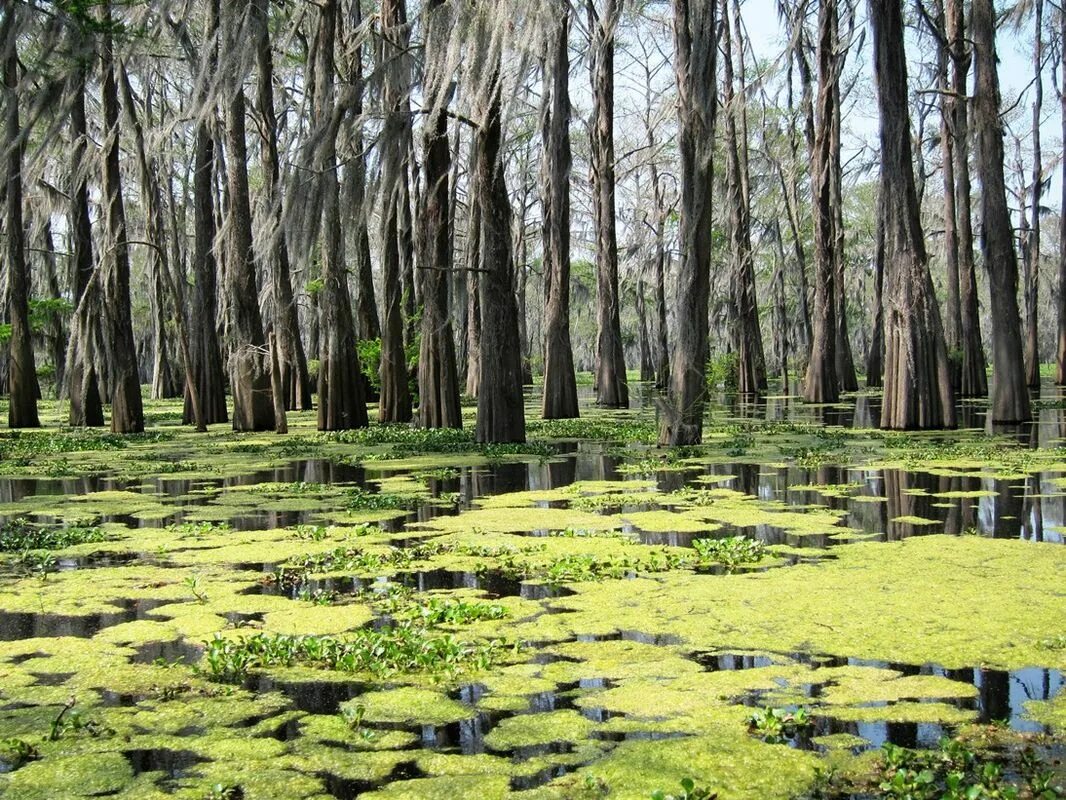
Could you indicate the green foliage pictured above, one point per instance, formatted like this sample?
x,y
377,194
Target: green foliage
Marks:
x,y
594,427
722,372
359,499
42,313
730,551
199,530
21,535
16,752
437,611
370,361
224,791
403,648
776,725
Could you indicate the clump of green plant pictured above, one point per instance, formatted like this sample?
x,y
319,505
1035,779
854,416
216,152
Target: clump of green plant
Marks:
x,y
341,559
600,428
402,648
579,568
359,499
224,791
689,791
14,753
730,551
353,714
437,611
21,535
318,597
1054,643
722,372
956,771
71,722
312,533
199,530
192,583
777,725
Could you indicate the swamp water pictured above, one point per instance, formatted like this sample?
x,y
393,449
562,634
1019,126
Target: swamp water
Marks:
x,y
395,613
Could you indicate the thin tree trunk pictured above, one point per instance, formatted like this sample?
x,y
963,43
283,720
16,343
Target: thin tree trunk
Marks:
x,y
875,361
395,403
22,371
294,380
1060,372
210,382
822,384
473,279
973,381
744,311
1010,397
560,385
127,414
1032,249
612,389
952,302
695,52
253,404
438,383
917,386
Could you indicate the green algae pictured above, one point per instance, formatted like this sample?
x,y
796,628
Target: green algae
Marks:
x,y
410,705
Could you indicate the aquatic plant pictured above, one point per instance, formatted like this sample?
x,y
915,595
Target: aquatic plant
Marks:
x,y
382,652
775,725
199,530
437,611
21,535
730,551
16,752
359,499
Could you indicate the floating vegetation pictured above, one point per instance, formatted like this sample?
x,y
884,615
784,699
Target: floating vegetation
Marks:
x,y
21,535
730,551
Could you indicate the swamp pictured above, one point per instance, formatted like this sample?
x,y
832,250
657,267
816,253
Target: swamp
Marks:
x,y
802,606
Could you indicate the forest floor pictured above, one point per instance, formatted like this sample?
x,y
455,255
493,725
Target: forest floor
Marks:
x,y
804,606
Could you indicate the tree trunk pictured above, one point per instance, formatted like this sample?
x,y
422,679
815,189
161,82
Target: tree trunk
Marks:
x,y
694,66
1010,397
560,384
86,407
1060,372
395,403
438,383
127,414
744,311
22,371
500,406
1032,249
473,279
875,360
952,302
253,404
917,390
292,361
822,384
210,382
341,397
973,381
612,389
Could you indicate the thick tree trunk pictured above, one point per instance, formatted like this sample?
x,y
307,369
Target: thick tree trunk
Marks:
x,y
744,311
253,404
292,361
694,66
560,384
341,399
822,384
438,383
500,406
973,381
1032,249
1010,397
611,387
647,363
127,414
210,382
917,387
395,403
22,371
86,407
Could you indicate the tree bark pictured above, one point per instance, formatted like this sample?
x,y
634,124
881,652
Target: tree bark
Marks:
x,y
22,371
822,384
292,360
973,381
341,399
560,384
253,404
210,382
612,389
473,279
695,53
1010,397
127,414
438,382
1032,248
395,403
1060,372
875,360
917,384
744,311
500,406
